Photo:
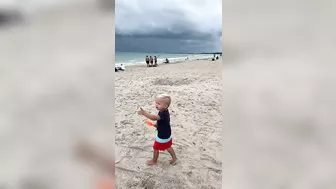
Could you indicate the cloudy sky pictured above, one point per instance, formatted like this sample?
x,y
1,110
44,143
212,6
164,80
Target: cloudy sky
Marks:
x,y
168,25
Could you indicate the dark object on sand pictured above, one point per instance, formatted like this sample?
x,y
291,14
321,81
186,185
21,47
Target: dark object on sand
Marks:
x,y
213,59
217,57
115,69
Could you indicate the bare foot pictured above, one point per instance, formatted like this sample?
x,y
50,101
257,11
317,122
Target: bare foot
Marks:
x,y
172,161
151,162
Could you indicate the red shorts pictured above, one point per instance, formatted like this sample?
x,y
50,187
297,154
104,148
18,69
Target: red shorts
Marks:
x,y
162,146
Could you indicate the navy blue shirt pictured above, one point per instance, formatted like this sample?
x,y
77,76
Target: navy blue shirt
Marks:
x,y
163,125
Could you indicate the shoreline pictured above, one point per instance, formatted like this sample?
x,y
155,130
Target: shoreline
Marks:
x,y
176,62
136,58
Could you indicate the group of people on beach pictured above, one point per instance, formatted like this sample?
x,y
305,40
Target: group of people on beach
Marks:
x,y
150,61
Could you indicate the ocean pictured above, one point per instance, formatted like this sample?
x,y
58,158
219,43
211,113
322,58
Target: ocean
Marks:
x,y
136,58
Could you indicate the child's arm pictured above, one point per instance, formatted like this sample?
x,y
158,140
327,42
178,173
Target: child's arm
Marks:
x,y
151,116
148,115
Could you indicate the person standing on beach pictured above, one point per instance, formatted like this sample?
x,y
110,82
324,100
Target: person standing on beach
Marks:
x,y
151,61
155,61
163,140
147,60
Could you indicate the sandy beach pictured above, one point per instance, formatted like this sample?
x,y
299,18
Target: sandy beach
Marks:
x,y
195,88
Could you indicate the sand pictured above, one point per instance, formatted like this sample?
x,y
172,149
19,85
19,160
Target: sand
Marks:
x,y
196,120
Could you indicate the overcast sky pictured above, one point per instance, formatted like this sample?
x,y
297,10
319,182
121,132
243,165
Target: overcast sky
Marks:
x,y
168,25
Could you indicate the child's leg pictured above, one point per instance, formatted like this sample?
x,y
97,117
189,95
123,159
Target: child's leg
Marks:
x,y
173,155
155,158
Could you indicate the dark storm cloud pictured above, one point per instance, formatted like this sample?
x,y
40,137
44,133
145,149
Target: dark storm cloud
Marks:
x,y
168,25
151,44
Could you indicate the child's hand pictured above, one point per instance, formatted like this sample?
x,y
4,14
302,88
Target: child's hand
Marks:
x,y
141,111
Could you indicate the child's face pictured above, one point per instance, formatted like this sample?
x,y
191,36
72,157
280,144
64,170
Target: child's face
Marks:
x,y
160,105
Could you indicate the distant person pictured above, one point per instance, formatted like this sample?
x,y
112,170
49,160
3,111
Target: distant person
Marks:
x,y
155,61
167,61
121,67
217,57
147,60
151,61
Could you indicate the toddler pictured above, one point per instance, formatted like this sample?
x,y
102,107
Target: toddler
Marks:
x,y
163,140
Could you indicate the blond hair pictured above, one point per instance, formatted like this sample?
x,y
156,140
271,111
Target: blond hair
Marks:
x,y
164,98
